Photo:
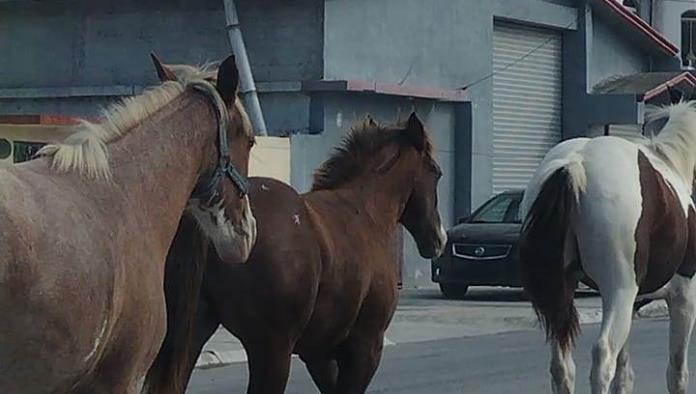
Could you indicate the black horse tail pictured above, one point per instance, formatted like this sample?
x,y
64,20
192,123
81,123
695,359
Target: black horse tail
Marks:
x,y
547,251
182,285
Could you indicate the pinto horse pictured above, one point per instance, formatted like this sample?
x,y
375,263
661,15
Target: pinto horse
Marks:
x,y
86,229
619,217
321,281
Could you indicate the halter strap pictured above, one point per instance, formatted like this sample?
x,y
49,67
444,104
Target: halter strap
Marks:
x,y
225,167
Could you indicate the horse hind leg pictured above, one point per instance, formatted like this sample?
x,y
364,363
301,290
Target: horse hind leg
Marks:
x,y
617,305
324,372
562,370
170,374
681,302
623,378
269,365
358,358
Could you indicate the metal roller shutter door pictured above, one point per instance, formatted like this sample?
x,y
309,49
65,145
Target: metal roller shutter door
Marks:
x,y
527,88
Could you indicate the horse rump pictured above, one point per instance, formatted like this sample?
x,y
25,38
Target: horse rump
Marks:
x,y
547,273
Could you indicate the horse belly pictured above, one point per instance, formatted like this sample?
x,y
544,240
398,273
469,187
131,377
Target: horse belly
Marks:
x,y
330,324
54,313
46,341
345,308
662,232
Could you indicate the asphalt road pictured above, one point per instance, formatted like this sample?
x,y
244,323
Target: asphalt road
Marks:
x,y
504,363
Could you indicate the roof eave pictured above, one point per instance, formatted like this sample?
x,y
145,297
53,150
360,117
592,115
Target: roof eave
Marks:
x,y
647,32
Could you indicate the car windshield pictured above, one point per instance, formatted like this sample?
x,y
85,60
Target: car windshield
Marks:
x,y
503,208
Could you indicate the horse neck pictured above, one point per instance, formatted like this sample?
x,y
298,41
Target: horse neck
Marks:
x,y
381,197
157,164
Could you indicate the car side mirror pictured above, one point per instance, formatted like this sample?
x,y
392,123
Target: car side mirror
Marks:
x,y
463,219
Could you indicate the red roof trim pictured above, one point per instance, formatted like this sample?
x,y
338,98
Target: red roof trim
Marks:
x,y
54,120
683,77
661,41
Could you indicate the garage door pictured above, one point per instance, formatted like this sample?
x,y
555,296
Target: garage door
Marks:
x,y
526,101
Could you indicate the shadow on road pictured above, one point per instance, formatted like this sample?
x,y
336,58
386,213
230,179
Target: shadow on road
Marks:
x,y
483,294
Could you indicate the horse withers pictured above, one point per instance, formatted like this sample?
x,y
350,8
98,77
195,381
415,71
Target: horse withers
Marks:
x,y
321,281
86,229
619,217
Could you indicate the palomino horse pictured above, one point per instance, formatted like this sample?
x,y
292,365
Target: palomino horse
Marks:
x,y
618,216
87,226
321,281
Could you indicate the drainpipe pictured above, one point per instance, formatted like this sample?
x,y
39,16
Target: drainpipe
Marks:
x,y
246,80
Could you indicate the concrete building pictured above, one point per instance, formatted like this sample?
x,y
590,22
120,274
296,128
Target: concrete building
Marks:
x,y
498,81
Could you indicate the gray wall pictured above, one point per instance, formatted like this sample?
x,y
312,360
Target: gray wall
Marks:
x,y
611,55
97,44
442,44
592,53
66,43
668,17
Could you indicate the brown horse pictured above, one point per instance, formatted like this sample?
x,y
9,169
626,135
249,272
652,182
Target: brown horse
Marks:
x,y
321,281
86,229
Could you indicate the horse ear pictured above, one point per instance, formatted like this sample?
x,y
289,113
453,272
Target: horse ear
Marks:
x,y
163,72
228,80
415,131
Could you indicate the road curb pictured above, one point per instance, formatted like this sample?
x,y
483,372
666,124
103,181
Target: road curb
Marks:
x,y
214,358
590,317
656,309
211,358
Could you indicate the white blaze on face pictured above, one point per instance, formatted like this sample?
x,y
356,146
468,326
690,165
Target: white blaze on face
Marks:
x,y
232,242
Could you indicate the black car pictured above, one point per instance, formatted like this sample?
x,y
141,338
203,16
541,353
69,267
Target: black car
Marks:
x,y
482,249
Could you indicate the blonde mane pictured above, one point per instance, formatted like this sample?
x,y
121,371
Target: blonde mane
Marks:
x,y
86,151
676,141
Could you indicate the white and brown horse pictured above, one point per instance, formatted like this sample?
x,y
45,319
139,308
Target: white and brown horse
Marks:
x,y
617,216
86,228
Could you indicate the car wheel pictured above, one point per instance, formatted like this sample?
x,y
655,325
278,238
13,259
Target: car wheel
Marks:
x,y
453,292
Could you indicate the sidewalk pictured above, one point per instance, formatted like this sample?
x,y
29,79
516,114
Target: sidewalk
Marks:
x,y
423,315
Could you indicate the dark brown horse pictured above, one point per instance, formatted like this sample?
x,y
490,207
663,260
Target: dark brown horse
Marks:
x,y
86,228
321,281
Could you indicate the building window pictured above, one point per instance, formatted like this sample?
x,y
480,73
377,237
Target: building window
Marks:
x,y
24,151
688,42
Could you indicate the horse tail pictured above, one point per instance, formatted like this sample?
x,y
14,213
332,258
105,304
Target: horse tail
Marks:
x,y
182,285
548,249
